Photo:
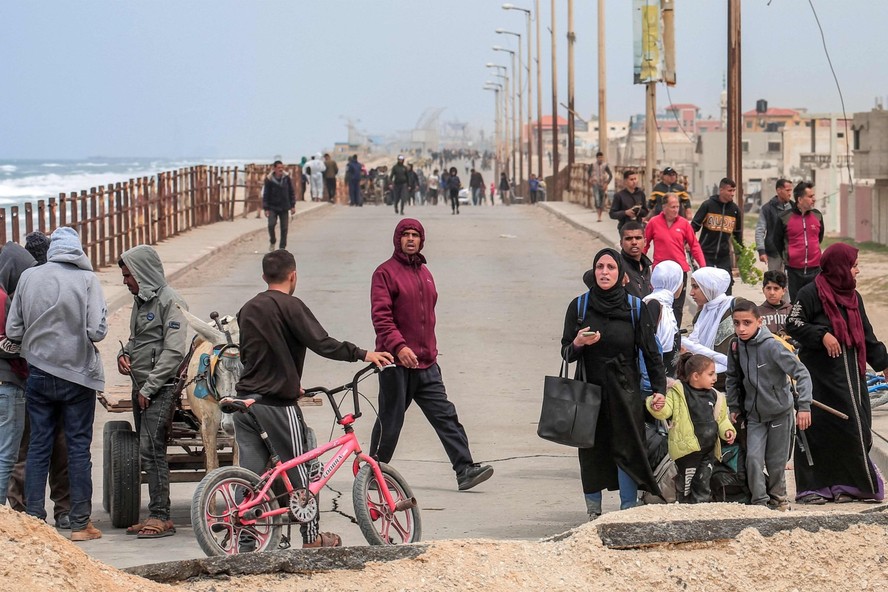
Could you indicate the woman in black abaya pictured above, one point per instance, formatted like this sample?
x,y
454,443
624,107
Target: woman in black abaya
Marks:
x,y
837,341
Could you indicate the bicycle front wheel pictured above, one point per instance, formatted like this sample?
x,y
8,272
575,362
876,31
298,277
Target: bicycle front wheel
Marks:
x,y
217,525
379,524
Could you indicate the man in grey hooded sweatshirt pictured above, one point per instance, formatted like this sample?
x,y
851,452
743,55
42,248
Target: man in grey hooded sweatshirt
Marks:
x,y
151,358
58,314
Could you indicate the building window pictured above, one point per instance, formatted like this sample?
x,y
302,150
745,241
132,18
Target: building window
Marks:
x,y
840,135
774,147
856,139
745,146
748,125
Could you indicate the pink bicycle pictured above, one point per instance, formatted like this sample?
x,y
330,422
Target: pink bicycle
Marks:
x,y
233,510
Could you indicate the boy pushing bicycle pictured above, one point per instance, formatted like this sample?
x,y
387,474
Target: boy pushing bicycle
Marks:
x,y
275,331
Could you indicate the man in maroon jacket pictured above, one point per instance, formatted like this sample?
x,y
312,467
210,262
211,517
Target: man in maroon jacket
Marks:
x,y
402,299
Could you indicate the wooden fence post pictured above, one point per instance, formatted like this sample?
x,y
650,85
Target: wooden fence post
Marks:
x,y
16,237
29,218
53,211
41,213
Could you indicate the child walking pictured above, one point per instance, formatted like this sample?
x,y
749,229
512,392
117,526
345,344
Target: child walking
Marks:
x,y
700,421
758,389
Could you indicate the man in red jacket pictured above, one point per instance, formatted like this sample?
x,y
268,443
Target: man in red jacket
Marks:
x,y
671,235
798,233
402,299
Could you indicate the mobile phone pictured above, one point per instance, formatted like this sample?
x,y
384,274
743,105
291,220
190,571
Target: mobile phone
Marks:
x,y
589,333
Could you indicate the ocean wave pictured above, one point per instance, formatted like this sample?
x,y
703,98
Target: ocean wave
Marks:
x,y
51,185
8,168
52,165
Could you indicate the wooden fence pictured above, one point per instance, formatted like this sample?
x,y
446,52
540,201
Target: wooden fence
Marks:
x,y
113,218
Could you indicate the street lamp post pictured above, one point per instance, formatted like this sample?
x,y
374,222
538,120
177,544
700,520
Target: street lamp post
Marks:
x,y
503,140
495,87
529,87
512,114
520,109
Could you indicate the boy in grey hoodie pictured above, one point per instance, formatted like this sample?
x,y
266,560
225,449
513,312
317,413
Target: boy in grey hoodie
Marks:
x,y
58,314
758,389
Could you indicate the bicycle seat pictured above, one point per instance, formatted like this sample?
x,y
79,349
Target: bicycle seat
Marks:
x,y
232,405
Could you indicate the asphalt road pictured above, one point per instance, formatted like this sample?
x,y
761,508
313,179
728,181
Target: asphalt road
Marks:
x,y
505,276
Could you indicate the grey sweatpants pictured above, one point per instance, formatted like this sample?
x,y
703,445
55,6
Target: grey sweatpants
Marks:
x,y
767,447
287,434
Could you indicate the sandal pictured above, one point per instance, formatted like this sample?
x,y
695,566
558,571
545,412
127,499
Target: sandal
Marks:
x,y
138,526
812,499
155,528
325,539
844,498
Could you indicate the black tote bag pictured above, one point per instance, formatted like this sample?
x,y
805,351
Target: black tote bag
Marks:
x,y
570,409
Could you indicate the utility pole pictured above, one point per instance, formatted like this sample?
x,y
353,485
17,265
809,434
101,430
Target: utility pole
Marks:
x,y
571,118
650,132
539,96
602,83
735,116
529,100
514,117
556,195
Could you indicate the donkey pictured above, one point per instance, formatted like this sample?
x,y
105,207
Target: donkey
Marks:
x,y
213,372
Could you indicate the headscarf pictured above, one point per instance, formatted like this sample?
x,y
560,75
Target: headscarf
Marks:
x,y
836,286
713,281
611,303
666,280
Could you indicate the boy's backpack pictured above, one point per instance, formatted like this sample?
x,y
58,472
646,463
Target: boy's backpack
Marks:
x,y
728,482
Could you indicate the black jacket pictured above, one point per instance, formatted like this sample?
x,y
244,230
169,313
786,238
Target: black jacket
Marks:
x,y
718,221
278,195
624,200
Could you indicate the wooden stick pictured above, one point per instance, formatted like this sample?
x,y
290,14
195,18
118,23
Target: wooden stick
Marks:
x,y
828,409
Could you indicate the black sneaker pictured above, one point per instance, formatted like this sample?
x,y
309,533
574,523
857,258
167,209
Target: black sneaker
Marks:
x,y
63,521
473,475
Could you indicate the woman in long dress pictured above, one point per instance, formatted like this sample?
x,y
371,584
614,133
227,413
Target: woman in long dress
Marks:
x,y
837,341
607,337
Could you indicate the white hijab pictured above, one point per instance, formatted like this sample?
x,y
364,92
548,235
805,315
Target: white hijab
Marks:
x,y
666,280
713,281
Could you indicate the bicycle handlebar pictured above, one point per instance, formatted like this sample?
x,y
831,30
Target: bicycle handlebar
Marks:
x,y
353,385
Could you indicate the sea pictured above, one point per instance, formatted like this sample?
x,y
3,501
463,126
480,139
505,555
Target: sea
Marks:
x,y
29,180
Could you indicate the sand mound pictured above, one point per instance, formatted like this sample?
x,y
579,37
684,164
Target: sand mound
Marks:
x,y
36,557
856,559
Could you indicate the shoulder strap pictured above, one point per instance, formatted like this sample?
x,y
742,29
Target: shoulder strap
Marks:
x,y
734,348
635,308
582,304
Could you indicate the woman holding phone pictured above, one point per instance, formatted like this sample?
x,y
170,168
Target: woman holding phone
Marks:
x,y
606,338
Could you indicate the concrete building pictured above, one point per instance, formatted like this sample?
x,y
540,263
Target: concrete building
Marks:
x,y
866,211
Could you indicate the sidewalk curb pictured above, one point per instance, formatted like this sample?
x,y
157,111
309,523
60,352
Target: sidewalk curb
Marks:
x,y
575,224
126,298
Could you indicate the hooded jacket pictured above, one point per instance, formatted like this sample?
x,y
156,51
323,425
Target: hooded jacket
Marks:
x,y
765,368
58,313
278,194
402,301
14,260
158,331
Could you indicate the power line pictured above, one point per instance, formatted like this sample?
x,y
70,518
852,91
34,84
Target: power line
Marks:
x,y
680,126
841,97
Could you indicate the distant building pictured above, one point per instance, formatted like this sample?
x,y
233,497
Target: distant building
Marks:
x,y
772,119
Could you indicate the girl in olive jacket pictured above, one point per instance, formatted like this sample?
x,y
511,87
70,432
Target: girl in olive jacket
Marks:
x,y
700,421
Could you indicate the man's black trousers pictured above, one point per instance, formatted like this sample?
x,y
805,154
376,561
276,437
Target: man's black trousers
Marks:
x,y
398,388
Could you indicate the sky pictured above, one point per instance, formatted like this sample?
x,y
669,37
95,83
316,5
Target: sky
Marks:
x,y
232,79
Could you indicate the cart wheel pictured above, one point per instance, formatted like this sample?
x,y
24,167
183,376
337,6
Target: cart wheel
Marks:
x,y
126,479
111,426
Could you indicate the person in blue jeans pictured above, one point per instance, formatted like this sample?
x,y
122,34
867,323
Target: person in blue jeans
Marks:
x,y
58,314
14,260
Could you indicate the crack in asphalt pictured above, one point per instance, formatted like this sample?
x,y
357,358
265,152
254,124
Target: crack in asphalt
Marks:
x,y
335,502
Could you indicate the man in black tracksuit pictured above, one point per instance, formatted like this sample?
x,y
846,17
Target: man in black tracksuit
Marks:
x,y
629,202
399,184
278,196
717,220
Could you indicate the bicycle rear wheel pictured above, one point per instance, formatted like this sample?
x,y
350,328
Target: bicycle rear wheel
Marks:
x,y
379,525
217,527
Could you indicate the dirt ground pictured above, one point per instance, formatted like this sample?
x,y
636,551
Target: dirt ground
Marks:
x,y
38,558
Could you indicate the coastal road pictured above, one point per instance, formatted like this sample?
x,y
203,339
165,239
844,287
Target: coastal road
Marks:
x,y
505,276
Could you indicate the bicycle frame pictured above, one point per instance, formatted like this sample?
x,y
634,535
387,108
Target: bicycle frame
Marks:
x,y
348,445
